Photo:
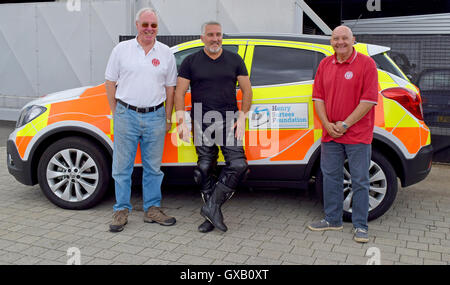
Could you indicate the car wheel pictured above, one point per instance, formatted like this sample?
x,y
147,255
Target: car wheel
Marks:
x,y
382,191
74,173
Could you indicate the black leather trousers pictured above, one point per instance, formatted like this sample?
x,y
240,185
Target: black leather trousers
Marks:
x,y
208,152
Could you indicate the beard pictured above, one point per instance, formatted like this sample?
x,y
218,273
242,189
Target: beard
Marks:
x,y
214,50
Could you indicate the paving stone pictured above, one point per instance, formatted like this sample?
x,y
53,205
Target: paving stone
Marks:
x,y
5,243
27,260
190,250
411,260
236,258
151,252
276,246
262,261
170,256
407,251
131,259
433,262
323,261
195,260
302,251
357,260
297,259
416,245
126,248
156,261
265,228
100,261
319,254
349,250
201,243
430,255
166,245
229,248
9,257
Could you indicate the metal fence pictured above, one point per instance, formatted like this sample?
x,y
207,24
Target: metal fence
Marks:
x,y
425,59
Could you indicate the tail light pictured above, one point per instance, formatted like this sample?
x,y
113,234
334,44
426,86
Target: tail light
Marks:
x,y
408,98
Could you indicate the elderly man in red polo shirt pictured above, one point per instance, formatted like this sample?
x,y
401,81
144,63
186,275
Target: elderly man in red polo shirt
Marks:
x,y
345,92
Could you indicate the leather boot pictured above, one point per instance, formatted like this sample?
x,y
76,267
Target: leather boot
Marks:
x,y
206,226
212,209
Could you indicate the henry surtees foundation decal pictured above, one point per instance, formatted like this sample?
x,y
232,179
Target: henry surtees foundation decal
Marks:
x,y
280,116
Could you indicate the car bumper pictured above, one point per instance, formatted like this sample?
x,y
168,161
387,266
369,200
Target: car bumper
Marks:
x,y
20,169
419,167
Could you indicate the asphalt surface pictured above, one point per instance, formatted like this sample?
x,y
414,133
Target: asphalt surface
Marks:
x,y
265,227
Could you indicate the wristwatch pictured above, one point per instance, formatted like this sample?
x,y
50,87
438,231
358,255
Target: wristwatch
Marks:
x,y
168,121
344,125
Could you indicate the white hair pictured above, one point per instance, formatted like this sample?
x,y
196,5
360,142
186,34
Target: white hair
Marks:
x,y
209,23
143,10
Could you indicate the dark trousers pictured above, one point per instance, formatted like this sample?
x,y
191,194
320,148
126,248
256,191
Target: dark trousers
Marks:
x,y
208,153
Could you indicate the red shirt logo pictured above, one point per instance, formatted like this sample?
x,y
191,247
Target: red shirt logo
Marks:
x,y
155,62
348,75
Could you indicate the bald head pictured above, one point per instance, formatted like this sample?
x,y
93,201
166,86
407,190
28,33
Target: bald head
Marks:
x,y
342,40
342,30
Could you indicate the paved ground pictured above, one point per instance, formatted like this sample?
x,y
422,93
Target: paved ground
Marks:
x,y
265,227
6,127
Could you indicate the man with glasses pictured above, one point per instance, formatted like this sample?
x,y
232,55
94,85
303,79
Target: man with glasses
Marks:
x,y
212,74
140,75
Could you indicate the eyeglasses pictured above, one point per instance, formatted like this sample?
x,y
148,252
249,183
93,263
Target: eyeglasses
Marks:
x,y
146,25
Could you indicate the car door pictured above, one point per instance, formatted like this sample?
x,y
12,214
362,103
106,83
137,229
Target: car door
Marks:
x,y
282,124
177,152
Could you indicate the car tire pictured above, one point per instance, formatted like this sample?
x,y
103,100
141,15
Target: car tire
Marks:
x,y
382,192
74,173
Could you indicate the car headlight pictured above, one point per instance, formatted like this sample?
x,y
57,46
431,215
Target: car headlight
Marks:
x,y
29,114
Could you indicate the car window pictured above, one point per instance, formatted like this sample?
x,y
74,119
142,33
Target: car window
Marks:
x,y
385,64
278,65
181,55
434,80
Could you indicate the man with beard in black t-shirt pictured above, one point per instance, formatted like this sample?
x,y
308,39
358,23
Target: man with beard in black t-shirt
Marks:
x,y
212,74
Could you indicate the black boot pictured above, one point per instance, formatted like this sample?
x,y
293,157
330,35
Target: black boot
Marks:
x,y
212,209
206,226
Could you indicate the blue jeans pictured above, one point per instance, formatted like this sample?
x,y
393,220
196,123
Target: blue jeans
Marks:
x,y
147,129
332,164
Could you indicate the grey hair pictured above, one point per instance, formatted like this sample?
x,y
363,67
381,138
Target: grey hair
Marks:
x,y
143,10
209,23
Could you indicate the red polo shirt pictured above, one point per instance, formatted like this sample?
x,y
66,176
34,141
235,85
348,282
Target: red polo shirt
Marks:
x,y
342,86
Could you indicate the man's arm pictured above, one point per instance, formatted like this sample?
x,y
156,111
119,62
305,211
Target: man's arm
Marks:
x,y
111,94
180,92
169,106
369,97
247,95
360,111
331,128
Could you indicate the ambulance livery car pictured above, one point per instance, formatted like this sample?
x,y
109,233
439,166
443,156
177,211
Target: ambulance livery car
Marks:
x,y
64,141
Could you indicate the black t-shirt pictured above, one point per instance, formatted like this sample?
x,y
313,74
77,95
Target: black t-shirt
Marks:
x,y
213,82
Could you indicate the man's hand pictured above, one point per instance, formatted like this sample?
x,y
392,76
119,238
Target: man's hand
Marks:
x,y
168,126
340,127
240,128
184,132
333,130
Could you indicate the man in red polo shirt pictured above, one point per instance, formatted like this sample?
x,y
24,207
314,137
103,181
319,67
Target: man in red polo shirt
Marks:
x,y
345,91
